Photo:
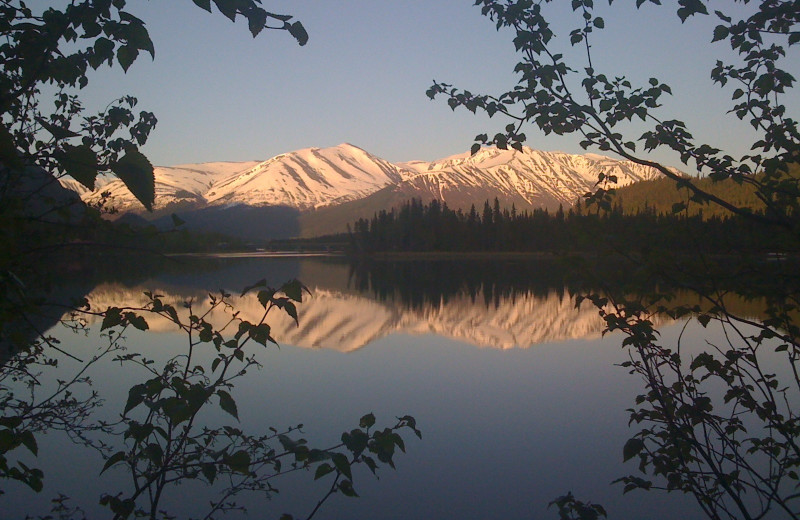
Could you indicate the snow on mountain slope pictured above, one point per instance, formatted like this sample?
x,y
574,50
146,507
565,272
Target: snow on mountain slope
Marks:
x,y
528,178
83,191
72,184
314,178
174,184
308,178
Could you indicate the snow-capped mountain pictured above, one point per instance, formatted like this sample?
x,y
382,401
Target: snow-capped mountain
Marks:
x,y
307,179
529,179
323,189
303,179
185,185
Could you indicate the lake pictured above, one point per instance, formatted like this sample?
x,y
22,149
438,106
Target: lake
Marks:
x,y
518,396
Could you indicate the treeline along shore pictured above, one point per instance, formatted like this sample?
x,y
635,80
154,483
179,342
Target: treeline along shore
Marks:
x,y
433,227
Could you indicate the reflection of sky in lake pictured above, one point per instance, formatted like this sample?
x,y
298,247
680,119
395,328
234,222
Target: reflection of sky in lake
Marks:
x,y
504,431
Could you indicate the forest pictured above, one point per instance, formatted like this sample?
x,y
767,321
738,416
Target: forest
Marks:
x,y
585,227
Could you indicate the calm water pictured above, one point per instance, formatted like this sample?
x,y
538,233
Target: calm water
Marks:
x,y
518,396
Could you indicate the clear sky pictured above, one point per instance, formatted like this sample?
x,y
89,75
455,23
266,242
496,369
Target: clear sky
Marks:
x,y
221,95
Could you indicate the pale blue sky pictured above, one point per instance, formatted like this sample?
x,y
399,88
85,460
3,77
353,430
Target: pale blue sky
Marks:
x,y
221,95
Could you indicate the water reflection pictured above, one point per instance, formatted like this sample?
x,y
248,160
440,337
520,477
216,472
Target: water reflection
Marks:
x,y
485,304
504,432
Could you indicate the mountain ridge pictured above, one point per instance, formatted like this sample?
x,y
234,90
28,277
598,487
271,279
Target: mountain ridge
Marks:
x,y
320,186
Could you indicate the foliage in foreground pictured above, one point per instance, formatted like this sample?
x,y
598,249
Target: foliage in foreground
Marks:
x,y
162,438
719,422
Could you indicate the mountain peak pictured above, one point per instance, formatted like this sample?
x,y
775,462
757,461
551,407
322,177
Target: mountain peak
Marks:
x,y
307,179
349,146
313,178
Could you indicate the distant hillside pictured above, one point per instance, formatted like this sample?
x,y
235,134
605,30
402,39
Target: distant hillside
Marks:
x,y
527,180
335,219
660,195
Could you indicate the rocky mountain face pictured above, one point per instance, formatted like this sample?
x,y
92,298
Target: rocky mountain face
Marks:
x,y
302,180
530,179
324,188
307,179
176,186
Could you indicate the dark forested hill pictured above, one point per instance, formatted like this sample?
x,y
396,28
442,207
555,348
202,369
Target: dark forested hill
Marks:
x,y
659,196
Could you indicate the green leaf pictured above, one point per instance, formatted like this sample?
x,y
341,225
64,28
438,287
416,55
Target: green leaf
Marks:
x,y
297,30
720,33
115,458
57,131
261,334
239,462
265,297
702,360
80,163
227,8
112,318
723,17
102,52
260,283
632,448
367,421
294,290
227,403
10,422
137,321
138,37
203,4
206,333
322,470
316,455
29,441
135,397
370,462
137,173
356,441
8,441
291,310
256,20
177,221
126,55
154,453
209,470
346,487
342,464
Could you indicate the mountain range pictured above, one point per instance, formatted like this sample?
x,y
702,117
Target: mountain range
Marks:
x,y
317,191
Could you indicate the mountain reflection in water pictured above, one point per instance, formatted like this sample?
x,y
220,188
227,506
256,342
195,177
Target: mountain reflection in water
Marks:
x,y
348,309
504,432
